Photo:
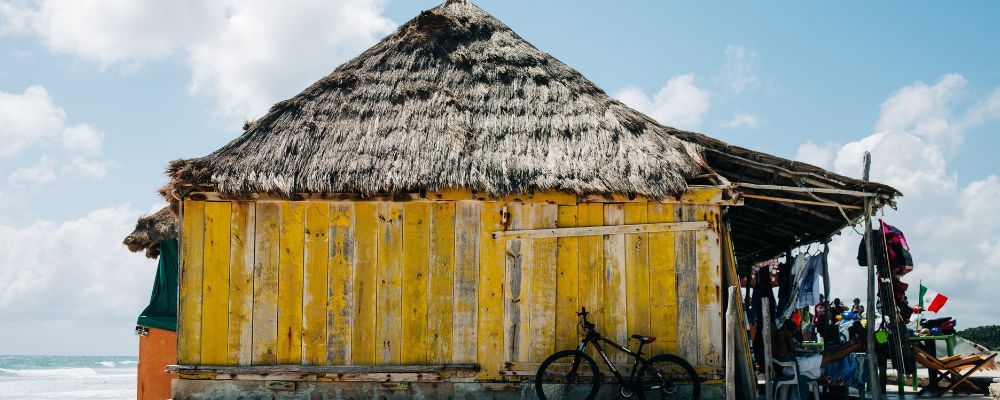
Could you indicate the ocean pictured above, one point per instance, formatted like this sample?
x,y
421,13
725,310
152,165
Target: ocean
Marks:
x,y
67,377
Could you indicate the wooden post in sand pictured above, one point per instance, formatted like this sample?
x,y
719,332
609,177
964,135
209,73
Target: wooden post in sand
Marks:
x,y
765,306
873,382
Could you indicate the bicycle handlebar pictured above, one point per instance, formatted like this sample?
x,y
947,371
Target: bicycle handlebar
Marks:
x,y
583,315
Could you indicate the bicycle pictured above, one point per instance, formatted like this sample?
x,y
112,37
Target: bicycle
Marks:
x,y
572,374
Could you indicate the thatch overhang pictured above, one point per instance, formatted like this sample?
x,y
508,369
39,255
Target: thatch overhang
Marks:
x,y
150,230
454,98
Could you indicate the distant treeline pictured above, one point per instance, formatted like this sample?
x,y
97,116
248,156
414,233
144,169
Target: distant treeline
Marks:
x,y
987,336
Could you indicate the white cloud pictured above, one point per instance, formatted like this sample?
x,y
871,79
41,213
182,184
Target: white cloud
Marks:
x,y
820,155
33,119
28,119
73,269
742,119
951,228
927,111
245,54
83,138
679,103
89,168
739,74
38,175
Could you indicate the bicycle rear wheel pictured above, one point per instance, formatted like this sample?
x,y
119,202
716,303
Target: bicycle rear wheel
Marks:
x,y
568,374
667,376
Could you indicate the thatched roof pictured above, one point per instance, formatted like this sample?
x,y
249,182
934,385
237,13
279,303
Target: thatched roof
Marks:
x,y
150,230
454,98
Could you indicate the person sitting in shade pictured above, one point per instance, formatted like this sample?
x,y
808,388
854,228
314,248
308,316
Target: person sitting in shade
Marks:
x,y
857,308
810,366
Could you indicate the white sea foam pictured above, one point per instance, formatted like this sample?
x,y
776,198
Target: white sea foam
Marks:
x,y
53,372
109,364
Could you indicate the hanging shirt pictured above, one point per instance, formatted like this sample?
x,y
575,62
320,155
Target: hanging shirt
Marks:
x,y
162,309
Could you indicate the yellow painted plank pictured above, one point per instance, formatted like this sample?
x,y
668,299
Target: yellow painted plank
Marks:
x,y
365,283
567,265
709,283
591,272
441,278
191,276
615,309
637,271
315,278
543,285
292,242
491,269
215,287
702,196
517,286
591,266
662,282
265,285
240,345
388,297
340,290
466,309
416,245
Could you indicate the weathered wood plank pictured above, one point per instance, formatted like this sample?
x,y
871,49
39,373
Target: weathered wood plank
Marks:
x,y
611,229
662,282
637,271
366,247
315,282
191,278
466,309
686,248
489,334
291,240
265,285
543,285
517,273
416,245
591,265
441,278
388,298
340,289
567,268
615,305
709,297
240,342
215,287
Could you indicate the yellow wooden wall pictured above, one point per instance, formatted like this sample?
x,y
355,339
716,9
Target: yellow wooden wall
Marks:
x,y
424,282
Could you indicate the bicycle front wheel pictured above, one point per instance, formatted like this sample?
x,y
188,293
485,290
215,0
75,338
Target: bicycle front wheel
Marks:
x,y
568,374
667,376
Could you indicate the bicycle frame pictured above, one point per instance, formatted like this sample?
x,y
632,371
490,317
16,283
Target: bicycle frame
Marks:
x,y
592,337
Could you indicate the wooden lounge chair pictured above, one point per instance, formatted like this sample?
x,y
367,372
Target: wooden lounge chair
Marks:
x,y
950,371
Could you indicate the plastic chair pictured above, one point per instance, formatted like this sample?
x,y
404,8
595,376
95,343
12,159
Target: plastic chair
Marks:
x,y
784,383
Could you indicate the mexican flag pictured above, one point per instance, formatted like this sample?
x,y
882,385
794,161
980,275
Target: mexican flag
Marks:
x,y
930,300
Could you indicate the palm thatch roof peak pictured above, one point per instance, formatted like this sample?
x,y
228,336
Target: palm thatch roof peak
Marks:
x,y
453,98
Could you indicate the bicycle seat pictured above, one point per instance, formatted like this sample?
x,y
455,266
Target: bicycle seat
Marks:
x,y
644,339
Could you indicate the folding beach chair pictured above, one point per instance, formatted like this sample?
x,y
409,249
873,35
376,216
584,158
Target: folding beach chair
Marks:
x,y
950,371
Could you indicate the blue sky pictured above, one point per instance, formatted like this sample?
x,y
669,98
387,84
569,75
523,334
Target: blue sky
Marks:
x,y
102,95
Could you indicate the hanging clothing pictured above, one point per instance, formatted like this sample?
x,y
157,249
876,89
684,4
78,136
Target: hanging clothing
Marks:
x,y
162,309
809,282
762,290
797,275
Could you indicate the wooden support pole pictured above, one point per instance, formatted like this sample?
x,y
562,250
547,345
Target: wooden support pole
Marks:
x,y
873,380
732,330
806,190
765,305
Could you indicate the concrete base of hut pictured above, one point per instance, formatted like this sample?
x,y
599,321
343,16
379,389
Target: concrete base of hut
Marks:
x,y
184,389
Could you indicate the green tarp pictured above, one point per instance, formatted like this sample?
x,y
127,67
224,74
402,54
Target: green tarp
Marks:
x,y
161,312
